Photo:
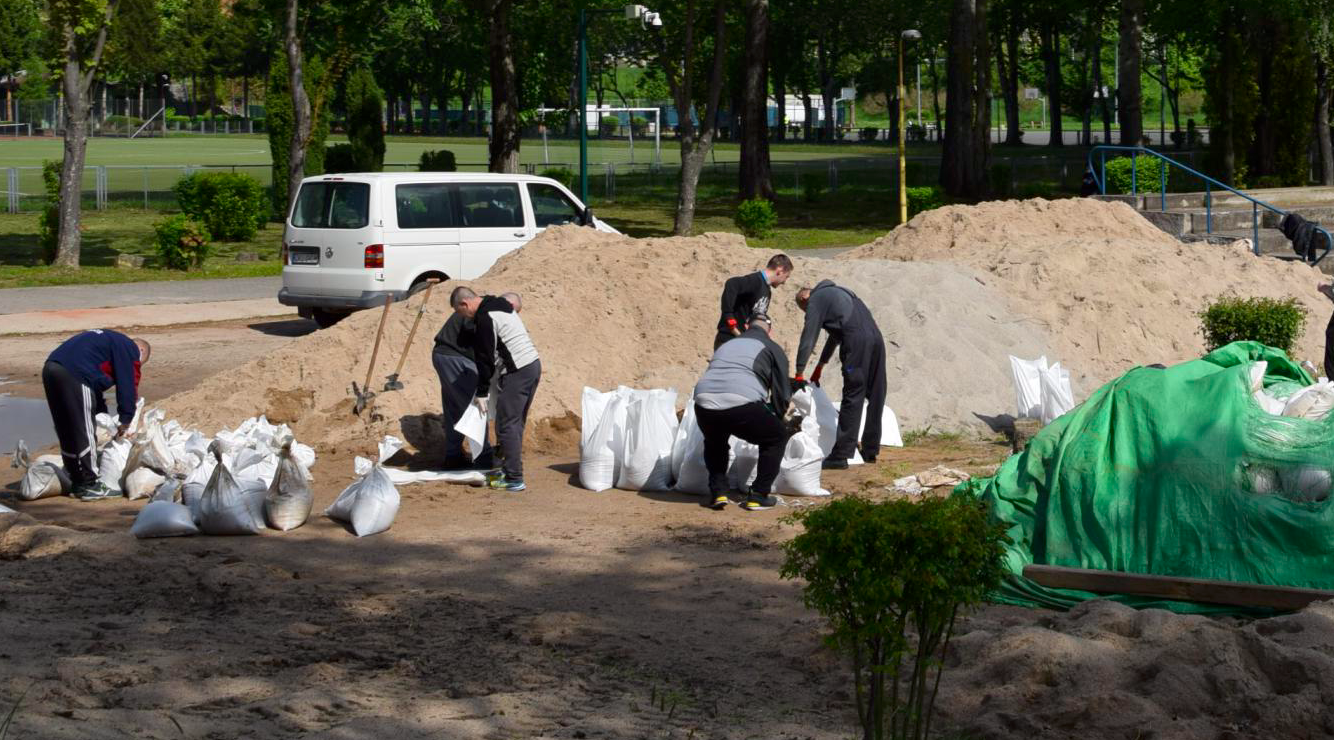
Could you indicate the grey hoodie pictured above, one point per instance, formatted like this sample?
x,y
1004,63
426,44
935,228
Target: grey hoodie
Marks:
x,y
748,369
838,311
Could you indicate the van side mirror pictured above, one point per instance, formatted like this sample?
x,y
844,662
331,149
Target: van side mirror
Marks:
x,y
586,218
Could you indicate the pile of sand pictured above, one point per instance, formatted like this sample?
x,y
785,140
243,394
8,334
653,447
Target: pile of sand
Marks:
x,y
606,310
1112,290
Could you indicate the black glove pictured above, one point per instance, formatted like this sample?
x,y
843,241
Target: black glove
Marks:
x,y
793,424
798,385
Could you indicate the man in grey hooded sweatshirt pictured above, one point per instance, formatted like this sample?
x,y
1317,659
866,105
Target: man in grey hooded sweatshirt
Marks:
x,y
861,348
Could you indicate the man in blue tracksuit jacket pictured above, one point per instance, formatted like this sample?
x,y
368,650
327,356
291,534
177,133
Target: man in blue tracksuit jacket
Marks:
x,y
75,376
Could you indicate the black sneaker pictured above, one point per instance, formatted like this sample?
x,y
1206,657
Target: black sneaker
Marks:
x,y
760,502
832,464
868,456
95,491
715,501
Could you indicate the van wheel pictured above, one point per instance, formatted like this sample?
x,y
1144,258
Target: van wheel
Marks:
x,y
325,318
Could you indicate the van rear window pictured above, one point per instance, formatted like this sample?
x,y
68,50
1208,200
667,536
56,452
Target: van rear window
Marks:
x,y
332,205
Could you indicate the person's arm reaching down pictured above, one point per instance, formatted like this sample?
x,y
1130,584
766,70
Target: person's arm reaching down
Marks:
x,y
123,356
484,352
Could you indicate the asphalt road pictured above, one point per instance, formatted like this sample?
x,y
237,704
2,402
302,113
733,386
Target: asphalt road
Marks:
x,y
64,297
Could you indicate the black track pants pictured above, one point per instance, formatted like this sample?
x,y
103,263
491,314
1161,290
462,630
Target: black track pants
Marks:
x,y
72,407
863,360
753,423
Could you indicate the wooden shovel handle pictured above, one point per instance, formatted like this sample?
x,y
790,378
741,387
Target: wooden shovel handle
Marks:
x,y
378,333
420,310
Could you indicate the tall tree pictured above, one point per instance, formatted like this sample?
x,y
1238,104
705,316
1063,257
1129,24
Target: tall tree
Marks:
x,y
81,27
20,39
303,123
963,169
1049,36
1129,99
755,171
503,154
1007,20
679,56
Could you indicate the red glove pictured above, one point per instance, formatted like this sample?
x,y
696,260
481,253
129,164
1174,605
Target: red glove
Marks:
x,y
815,376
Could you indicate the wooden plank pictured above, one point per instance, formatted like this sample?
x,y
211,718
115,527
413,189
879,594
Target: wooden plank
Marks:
x,y
1203,590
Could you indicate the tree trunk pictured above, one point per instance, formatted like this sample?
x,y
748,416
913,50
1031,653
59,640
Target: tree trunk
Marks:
x,y
1007,68
1322,137
1090,47
807,124
935,96
245,97
1128,96
780,101
409,117
504,145
756,179
963,163
141,101
301,130
1103,108
425,94
827,82
1051,63
696,143
76,86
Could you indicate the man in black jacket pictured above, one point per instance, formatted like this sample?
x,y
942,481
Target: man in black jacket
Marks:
x,y
75,376
745,296
502,349
744,393
861,346
454,363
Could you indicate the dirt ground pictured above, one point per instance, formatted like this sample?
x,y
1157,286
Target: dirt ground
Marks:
x,y
553,613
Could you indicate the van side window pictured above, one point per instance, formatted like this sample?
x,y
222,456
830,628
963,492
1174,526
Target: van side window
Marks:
x,y
551,207
425,206
332,205
484,205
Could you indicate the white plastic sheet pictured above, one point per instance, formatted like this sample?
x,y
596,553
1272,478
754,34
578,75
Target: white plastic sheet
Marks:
x,y
163,519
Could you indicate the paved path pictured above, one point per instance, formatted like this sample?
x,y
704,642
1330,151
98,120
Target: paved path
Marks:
x,y
64,297
71,320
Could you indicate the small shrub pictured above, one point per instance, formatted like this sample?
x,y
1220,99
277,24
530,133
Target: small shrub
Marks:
x,y
181,242
878,571
813,187
609,125
756,218
924,199
437,161
1147,174
870,133
1276,323
1038,189
48,225
340,158
230,205
562,175
639,126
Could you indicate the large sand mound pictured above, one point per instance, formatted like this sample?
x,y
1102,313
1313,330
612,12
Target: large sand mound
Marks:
x,y
607,310
1112,290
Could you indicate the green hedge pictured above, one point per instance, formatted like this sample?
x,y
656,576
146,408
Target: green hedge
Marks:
x,y
231,206
181,242
437,161
1269,321
756,218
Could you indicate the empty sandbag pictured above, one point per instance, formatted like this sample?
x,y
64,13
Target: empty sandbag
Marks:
x,y
371,502
142,482
163,519
227,506
288,500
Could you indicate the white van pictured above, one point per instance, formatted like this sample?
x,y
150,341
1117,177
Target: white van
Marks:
x,y
353,239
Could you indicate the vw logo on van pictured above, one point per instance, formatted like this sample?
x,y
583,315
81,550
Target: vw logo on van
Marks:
x,y
328,252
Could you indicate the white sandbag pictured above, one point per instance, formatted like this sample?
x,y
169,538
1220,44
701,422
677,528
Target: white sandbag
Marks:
x,y
6,510
371,502
1028,386
800,471
42,477
1269,404
169,490
163,519
149,447
1257,371
255,464
142,482
473,428
304,456
228,506
1057,397
602,413
191,496
678,442
289,499
693,476
826,415
650,431
111,461
1311,402
744,464
890,436
1306,483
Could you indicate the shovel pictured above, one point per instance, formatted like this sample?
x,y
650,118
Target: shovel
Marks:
x,y
364,394
392,383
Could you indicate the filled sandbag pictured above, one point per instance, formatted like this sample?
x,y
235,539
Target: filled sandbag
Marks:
x,y
169,490
228,507
799,474
111,462
650,432
692,476
371,502
602,414
288,501
142,482
42,477
149,447
163,519
6,510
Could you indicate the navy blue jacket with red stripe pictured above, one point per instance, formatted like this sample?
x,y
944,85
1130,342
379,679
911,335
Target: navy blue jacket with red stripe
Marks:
x,y
102,358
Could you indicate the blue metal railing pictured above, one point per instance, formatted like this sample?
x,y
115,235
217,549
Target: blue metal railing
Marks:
x,y
1100,175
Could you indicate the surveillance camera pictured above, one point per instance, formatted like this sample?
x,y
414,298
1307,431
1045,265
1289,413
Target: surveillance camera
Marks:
x,y
634,12
653,19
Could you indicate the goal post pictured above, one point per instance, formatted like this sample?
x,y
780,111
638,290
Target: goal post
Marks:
x,y
652,126
14,130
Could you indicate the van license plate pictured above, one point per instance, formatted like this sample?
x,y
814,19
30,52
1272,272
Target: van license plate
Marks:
x,y
303,255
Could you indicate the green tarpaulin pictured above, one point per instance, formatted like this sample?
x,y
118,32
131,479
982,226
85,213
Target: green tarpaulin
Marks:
x,y
1178,472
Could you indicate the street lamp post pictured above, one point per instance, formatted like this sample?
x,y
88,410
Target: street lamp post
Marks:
x,y
905,37
646,18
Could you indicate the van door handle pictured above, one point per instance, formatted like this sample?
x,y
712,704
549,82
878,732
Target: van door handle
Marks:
x,y
521,233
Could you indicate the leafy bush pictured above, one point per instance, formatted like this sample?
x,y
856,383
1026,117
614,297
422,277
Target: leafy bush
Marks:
x,y
280,122
1270,321
877,570
870,133
122,124
924,199
639,125
230,205
756,217
562,175
181,242
437,161
813,187
609,125
916,133
48,225
340,158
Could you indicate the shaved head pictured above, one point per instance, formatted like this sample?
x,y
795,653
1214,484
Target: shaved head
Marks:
x,y
459,295
514,300
145,349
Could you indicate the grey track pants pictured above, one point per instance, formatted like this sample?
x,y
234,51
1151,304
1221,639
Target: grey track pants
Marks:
x,y
516,391
458,383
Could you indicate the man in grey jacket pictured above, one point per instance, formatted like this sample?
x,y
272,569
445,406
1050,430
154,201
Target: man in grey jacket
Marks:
x,y
861,348
744,393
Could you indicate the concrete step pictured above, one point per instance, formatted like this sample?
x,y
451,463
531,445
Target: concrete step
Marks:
x,y
1280,197
1201,220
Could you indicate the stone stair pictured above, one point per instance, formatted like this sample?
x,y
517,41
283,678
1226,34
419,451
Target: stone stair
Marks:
x,y
1231,216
